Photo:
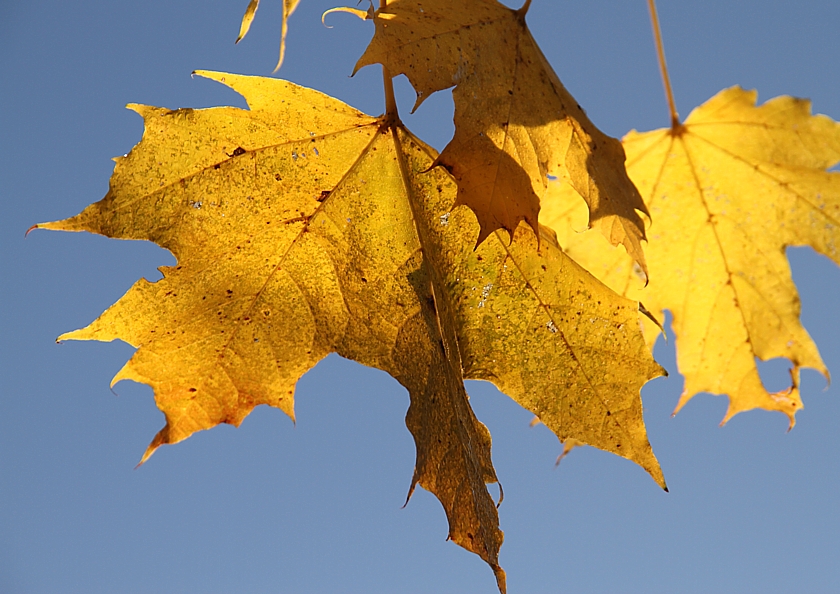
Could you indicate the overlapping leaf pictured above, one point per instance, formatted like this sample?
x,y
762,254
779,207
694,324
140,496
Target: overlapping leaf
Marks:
x,y
515,123
303,227
728,191
289,7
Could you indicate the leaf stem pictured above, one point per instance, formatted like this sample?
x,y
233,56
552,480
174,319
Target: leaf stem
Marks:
x,y
391,111
663,67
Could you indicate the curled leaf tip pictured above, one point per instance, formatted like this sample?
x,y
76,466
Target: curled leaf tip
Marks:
x,y
365,15
410,493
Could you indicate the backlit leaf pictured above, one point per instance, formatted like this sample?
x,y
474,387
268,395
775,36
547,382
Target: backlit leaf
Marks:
x,y
728,191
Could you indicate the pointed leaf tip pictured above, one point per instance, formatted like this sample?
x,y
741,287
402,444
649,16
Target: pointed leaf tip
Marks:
x,y
501,579
247,19
152,448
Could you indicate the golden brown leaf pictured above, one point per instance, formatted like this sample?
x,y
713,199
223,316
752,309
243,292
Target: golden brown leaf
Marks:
x,y
289,7
729,190
515,123
303,227
280,263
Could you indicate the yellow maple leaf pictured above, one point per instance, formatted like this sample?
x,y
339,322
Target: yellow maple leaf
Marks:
x,y
515,123
728,190
289,7
303,227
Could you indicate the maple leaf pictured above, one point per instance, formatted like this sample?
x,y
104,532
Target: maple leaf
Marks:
x,y
729,190
303,227
515,123
289,7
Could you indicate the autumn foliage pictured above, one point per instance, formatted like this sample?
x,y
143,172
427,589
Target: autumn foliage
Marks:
x,y
303,227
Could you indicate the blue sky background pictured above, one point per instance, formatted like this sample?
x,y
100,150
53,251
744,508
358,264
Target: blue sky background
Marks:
x,y
316,507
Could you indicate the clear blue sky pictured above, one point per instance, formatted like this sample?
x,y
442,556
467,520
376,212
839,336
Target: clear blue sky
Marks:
x,y
316,507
